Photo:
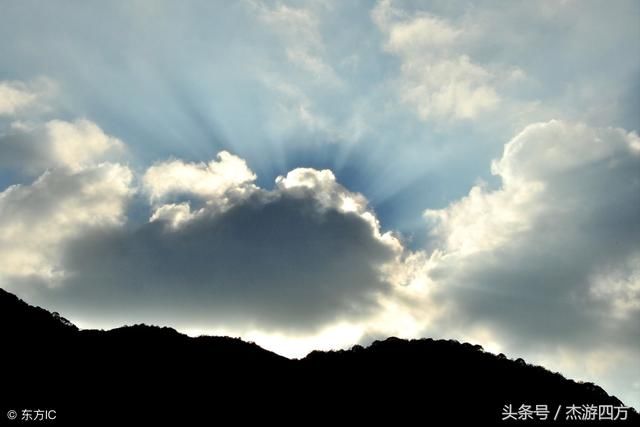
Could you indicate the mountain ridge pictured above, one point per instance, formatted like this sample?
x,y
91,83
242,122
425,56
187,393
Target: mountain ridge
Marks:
x,y
89,371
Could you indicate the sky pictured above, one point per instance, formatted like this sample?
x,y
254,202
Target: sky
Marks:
x,y
316,174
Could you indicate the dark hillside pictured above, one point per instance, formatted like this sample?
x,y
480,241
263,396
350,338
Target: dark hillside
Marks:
x,y
148,373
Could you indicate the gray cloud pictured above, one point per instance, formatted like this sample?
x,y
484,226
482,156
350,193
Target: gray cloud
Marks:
x,y
549,262
274,261
568,208
216,251
229,255
37,219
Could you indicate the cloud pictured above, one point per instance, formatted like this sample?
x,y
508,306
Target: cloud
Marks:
x,y
37,219
212,181
553,169
437,77
300,90
75,190
547,262
450,88
199,244
294,111
417,33
303,43
34,147
16,96
567,208
302,256
619,287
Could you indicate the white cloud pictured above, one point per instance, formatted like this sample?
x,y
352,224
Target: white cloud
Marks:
x,y
323,184
75,145
455,88
215,182
299,29
331,195
549,151
38,218
174,214
17,96
75,191
14,97
424,31
438,78
78,144
547,261
541,171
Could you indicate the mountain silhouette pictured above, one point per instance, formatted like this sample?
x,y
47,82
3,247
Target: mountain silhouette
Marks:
x,y
149,374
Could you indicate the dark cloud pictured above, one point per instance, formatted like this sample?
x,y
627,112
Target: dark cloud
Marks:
x,y
268,262
529,260
19,150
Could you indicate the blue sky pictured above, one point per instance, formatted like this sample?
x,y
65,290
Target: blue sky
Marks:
x,y
189,81
482,158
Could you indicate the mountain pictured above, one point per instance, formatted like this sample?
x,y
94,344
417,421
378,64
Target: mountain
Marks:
x,y
150,374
